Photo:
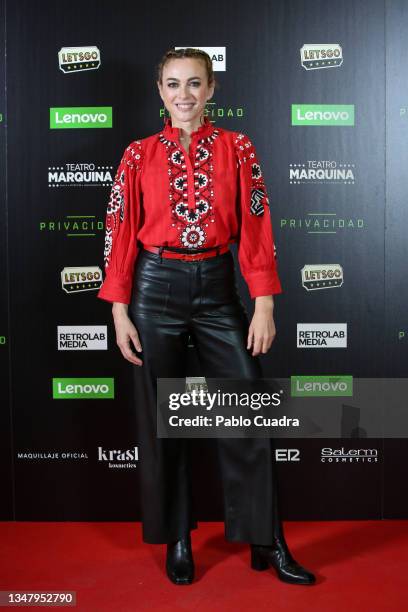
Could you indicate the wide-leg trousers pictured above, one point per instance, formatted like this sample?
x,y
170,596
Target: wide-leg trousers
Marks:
x,y
173,299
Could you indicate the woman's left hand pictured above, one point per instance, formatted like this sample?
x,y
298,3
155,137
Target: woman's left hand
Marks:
x,y
262,329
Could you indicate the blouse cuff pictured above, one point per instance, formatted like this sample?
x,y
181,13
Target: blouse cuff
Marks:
x,y
263,283
116,289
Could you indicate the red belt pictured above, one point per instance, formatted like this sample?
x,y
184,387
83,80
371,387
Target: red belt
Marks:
x,y
187,256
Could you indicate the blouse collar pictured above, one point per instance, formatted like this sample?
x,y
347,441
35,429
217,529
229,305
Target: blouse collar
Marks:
x,y
173,133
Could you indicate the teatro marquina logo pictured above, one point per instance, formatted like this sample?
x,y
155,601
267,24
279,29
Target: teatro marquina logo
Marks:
x,y
324,55
80,117
217,54
81,278
322,171
321,276
322,223
77,174
73,226
82,337
323,114
322,335
78,59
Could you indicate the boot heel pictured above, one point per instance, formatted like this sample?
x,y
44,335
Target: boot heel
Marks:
x,y
257,561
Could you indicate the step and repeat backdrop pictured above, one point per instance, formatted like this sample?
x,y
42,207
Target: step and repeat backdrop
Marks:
x,y
321,90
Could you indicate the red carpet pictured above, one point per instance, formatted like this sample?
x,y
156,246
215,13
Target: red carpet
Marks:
x,y
359,565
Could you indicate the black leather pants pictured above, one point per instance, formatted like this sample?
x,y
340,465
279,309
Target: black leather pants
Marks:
x,y
171,299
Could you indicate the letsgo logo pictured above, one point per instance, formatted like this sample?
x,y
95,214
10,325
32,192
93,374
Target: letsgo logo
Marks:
x,y
83,388
322,114
81,278
80,117
316,56
78,59
321,276
321,386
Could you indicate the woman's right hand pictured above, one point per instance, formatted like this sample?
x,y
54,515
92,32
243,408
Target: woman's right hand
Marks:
x,y
126,333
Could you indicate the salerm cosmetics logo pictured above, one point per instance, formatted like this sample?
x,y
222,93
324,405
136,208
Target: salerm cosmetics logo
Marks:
x,y
321,386
82,337
78,59
81,278
2,340
80,117
323,114
83,388
80,175
217,55
322,223
73,226
325,172
349,455
315,56
322,335
122,459
321,276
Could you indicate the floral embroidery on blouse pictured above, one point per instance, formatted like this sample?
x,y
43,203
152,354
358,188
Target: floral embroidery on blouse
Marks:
x,y
246,152
191,222
115,213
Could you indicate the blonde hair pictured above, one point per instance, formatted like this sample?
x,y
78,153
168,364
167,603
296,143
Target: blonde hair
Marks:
x,y
187,52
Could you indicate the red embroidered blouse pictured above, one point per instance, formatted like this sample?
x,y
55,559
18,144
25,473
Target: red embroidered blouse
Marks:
x,y
213,195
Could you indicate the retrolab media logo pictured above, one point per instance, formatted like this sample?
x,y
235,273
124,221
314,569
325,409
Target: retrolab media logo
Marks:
x,y
82,337
322,335
78,59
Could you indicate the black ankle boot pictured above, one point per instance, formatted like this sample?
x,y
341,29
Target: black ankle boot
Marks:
x,y
179,561
278,555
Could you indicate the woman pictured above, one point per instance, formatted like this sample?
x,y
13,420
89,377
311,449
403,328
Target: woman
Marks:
x,y
179,198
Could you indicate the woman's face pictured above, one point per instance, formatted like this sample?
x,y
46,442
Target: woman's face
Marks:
x,y
185,89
